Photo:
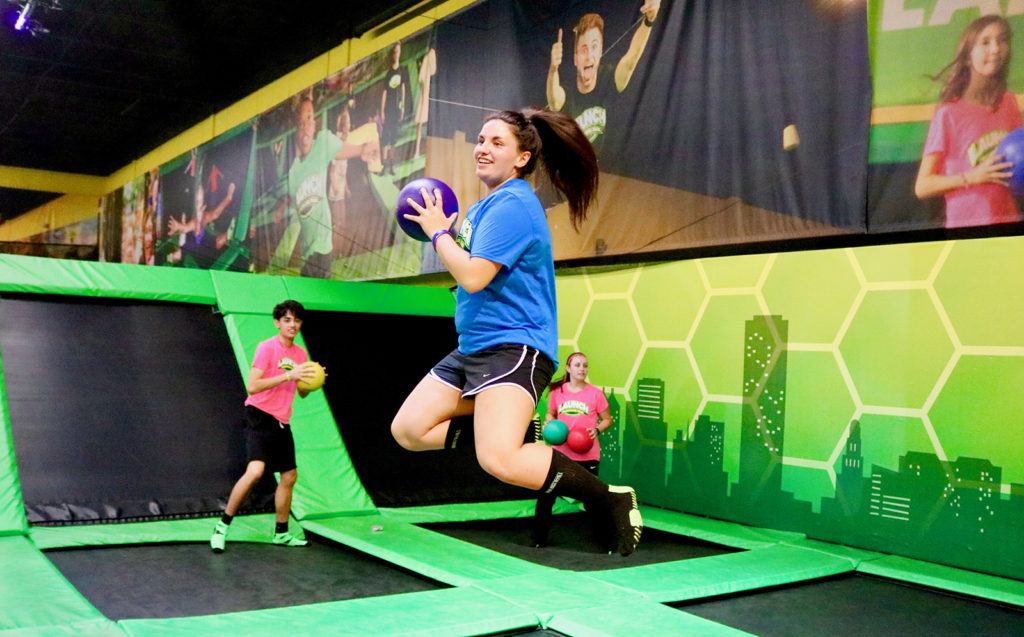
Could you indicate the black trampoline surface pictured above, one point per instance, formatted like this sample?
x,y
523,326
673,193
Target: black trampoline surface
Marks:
x,y
573,544
858,604
184,579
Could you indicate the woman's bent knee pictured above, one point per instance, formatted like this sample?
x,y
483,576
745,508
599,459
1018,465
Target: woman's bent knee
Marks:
x,y
401,431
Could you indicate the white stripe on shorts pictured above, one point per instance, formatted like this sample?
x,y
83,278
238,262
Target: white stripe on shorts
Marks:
x,y
494,382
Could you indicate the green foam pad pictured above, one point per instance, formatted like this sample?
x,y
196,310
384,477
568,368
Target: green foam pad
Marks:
x,y
636,618
88,278
453,611
428,553
717,531
374,298
999,589
470,511
33,593
88,628
244,528
728,573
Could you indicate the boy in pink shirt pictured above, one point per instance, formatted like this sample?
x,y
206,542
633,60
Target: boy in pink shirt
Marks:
x,y
277,364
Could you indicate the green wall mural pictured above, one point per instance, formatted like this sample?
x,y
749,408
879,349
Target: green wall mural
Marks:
x,y
869,396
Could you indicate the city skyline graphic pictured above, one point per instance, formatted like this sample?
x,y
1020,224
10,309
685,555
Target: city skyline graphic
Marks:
x,y
955,512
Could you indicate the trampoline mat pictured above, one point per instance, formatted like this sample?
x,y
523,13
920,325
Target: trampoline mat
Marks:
x,y
573,543
858,604
184,579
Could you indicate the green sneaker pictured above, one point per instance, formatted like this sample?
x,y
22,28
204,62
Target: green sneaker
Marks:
x,y
219,537
287,539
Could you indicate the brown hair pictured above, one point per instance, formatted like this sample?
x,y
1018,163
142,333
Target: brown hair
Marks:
x,y
565,377
587,22
959,70
555,141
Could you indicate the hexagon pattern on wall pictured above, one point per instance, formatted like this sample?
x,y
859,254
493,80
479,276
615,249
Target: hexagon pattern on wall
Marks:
x,y
883,334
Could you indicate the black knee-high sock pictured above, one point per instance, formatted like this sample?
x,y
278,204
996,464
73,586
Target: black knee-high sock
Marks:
x,y
567,477
460,432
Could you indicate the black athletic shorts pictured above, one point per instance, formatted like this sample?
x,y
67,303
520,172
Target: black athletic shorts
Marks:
x,y
520,365
268,440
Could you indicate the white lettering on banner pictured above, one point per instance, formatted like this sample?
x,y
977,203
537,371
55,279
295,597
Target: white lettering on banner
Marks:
x,y
944,9
896,16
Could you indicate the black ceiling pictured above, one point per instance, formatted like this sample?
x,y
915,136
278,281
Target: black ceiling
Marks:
x,y
114,79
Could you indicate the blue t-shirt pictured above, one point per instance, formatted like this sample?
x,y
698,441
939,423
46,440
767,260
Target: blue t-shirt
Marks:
x,y
509,227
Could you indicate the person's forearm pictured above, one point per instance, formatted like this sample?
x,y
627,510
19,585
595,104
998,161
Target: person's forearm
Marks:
x,y
471,274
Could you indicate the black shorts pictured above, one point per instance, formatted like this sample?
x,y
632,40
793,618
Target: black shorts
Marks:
x,y
268,440
519,365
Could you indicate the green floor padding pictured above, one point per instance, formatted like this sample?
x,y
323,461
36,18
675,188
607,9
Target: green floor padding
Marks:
x,y
244,528
636,618
474,511
430,554
12,511
33,593
999,589
454,611
728,573
87,628
716,531
854,555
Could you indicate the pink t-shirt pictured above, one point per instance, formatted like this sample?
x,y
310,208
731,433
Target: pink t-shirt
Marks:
x,y
275,359
579,409
959,132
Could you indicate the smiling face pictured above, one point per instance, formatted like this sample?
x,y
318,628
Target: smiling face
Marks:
x,y
497,154
288,327
587,53
991,50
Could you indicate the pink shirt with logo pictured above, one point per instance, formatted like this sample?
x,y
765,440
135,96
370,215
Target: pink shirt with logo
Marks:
x,y
957,127
579,409
276,359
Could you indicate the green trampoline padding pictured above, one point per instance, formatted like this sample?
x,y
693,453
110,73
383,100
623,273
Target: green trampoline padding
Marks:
x,y
999,589
33,593
472,511
114,280
12,511
453,611
716,531
431,554
245,528
724,574
638,617
88,628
